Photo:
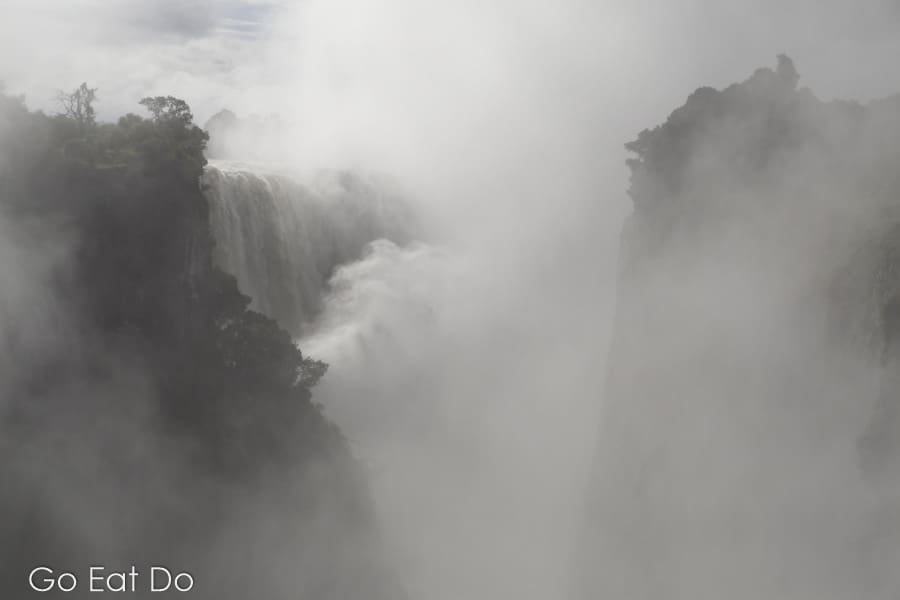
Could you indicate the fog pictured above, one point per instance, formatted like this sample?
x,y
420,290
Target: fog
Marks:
x,y
469,369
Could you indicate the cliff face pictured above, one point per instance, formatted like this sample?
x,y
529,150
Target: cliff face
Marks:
x,y
148,417
753,350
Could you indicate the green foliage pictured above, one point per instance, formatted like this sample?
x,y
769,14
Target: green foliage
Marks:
x,y
144,272
168,145
735,133
311,371
164,397
768,159
172,143
255,348
168,110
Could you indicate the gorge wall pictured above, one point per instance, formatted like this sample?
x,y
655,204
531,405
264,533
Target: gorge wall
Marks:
x,y
146,415
749,427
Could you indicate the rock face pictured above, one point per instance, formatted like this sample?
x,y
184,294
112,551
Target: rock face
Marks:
x,y
147,416
751,410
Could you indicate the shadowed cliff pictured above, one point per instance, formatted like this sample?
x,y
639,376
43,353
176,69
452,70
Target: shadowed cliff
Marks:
x,y
147,416
750,420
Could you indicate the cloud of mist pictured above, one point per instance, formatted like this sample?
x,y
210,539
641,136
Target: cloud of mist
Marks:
x,y
468,371
728,460
465,370
469,376
59,427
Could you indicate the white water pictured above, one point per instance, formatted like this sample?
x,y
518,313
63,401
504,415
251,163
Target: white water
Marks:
x,y
460,381
282,235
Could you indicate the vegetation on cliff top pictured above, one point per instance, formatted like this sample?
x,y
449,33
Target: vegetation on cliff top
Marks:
x,y
771,160
217,388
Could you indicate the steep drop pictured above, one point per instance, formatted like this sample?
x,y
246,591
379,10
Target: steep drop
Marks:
x,y
752,330
282,236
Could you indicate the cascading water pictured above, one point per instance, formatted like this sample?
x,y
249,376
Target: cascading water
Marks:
x,y
283,236
422,339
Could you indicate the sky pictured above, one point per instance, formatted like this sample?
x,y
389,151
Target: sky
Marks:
x,y
377,82
244,53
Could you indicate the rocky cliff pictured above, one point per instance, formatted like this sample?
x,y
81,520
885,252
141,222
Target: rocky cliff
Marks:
x,y
148,417
751,414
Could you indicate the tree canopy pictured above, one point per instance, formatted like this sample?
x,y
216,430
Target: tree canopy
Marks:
x,y
168,110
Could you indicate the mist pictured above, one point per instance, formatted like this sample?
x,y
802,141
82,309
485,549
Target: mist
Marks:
x,y
498,368
478,418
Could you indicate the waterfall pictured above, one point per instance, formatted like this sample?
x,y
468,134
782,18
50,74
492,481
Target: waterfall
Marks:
x,y
448,379
283,234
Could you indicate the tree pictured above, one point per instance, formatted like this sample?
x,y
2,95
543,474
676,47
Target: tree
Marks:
x,y
168,110
786,71
79,106
174,143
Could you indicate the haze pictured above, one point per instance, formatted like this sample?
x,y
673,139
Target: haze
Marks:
x,y
466,370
